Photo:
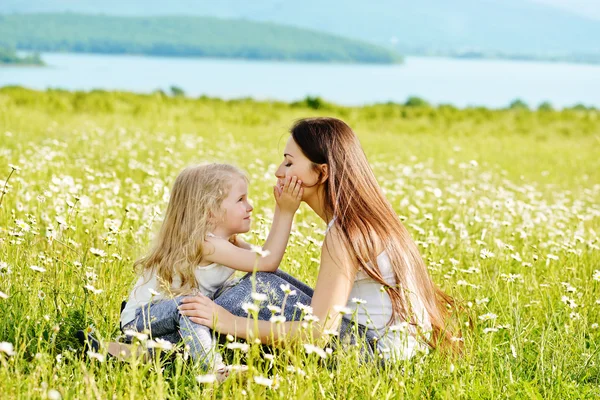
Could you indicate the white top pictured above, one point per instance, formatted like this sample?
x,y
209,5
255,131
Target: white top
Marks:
x,y
399,341
209,278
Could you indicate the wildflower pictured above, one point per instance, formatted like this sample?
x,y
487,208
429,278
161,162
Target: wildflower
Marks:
x,y
485,300
575,316
304,308
153,292
38,269
310,348
159,344
138,335
243,347
277,319
299,371
98,252
54,394
93,289
358,301
511,277
96,356
14,167
259,297
258,250
287,289
489,330
4,268
596,275
401,327
568,301
208,378
24,226
484,253
488,317
261,380
3,295
237,367
311,318
249,307
41,295
594,325
7,348
274,309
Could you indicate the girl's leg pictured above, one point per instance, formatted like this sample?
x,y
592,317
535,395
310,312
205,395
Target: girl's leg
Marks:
x,y
269,284
164,321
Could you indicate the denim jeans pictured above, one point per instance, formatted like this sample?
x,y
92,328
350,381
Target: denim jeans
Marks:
x,y
163,320
270,284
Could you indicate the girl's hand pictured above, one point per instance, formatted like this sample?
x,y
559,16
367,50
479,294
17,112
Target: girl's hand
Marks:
x,y
202,310
289,196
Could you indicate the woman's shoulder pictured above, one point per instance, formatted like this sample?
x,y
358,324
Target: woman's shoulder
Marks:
x,y
335,235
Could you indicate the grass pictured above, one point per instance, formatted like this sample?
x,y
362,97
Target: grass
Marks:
x,y
94,171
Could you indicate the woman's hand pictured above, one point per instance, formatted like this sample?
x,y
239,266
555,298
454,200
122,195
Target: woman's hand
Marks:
x,y
289,196
202,310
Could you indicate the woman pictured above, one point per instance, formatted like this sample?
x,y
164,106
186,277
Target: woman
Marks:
x,y
367,254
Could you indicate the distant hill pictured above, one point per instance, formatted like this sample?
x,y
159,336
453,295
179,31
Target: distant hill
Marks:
x,y
505,28
182,36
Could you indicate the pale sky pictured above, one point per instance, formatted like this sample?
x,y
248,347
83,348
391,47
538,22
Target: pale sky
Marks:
x,y
588,8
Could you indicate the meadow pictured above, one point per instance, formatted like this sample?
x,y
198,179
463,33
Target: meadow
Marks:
x,y
504,205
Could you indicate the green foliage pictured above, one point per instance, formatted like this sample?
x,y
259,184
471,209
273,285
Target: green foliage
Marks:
x,y
10,56
176,91
414,101
182,37
93,168
545,106
518,104
315,103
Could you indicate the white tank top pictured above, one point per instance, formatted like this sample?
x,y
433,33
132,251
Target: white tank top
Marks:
x,y
400,340
209,278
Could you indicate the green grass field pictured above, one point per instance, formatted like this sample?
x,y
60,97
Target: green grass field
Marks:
x,y
505,206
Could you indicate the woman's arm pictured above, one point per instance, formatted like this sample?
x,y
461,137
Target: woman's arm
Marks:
x,y
334,283
269,257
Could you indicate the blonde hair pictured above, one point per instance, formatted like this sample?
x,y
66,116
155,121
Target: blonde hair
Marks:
x,y
194,210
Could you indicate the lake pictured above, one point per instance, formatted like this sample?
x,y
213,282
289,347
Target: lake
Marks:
x,y
490,83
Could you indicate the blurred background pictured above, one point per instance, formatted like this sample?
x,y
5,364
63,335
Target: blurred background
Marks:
x,y
490,53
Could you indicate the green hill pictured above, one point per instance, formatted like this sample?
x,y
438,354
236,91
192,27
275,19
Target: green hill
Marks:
x,y
182,36
467,28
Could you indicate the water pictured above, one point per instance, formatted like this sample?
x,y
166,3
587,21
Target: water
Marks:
x,y
490,83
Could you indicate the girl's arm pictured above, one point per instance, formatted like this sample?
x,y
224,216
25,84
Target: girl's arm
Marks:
x,y
269,257
334,283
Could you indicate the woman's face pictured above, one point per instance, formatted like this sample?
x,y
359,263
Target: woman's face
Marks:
x,y
295,163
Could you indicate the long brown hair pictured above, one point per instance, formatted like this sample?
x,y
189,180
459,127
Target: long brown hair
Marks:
x,y
194,210
365,217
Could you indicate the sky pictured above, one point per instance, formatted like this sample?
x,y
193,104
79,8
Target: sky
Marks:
x,y
586,8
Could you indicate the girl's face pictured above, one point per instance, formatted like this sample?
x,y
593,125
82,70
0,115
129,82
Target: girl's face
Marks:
x,y
236,208
295,163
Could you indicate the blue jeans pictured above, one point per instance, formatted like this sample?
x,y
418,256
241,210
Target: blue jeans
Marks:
x,y
232,298
163,320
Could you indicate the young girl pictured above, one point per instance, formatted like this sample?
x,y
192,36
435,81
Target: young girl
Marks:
x,y
197,251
